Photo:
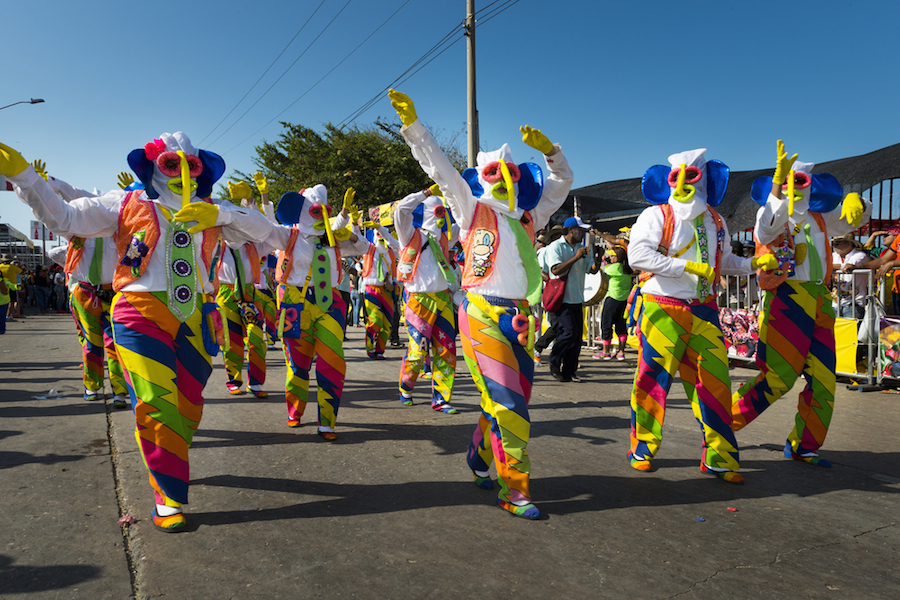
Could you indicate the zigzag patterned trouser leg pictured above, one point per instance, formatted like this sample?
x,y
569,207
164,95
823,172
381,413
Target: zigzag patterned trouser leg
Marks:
x,y
113,364
430,324
166,367
325,338
675,335
87,311
270,313
380,308
233,351
796,335
503,373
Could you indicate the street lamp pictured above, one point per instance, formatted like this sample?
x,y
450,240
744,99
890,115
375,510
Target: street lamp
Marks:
x,y
32,101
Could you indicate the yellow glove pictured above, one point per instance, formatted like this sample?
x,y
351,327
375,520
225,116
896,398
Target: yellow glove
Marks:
x,y
355,215
405,108
11,162
262,184
343,234
536,139
125,179
349,195
240,190
204,213
766,262
435,190
40,167
783,164
701,270
852,210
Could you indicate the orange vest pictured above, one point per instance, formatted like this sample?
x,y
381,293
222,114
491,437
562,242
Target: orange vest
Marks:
x,y
139,222
285,263
483,233
74,254
784,244
369,260
410,255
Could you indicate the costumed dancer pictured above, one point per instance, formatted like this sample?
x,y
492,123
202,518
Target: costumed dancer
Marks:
x,y
240,306
90,264
498,207
379,268
422,224
796,324
166,237
267,285
682,245
311,309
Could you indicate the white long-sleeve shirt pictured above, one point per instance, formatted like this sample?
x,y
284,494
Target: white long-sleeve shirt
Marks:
x,y
428,277
381,253
305,247
770,220
509,279
92,217
669,277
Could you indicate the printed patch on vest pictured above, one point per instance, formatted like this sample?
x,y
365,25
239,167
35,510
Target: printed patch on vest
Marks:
x,y
482,251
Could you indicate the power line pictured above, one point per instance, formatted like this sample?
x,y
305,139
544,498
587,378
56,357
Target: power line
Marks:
x,y
264,73
285,72
324,76
487,16
447,41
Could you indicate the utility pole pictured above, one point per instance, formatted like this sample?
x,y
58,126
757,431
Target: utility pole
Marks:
x,y
472,114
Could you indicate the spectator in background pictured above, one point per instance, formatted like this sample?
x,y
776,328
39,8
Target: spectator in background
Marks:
x,y
568,257
847,255
59,285
12,273
42,289
613,313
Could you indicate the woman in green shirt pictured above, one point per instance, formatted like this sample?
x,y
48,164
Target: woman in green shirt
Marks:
x,y
613,313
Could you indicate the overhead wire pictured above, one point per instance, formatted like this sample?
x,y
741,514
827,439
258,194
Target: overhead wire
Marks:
x,y
409,73
377,29
324,29
252,87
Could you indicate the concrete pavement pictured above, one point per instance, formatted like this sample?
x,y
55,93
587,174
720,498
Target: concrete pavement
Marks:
x,y
389,510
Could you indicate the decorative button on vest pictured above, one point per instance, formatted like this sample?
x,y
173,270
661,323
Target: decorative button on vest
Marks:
x,y
181,277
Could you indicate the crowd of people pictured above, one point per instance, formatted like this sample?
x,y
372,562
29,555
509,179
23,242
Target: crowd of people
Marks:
x,y
162,278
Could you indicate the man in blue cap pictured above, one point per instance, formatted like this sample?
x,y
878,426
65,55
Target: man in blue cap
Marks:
x,y
568,257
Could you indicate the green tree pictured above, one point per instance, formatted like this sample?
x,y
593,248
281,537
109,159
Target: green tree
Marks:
x,y
374,160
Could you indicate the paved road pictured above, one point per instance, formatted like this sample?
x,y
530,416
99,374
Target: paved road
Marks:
x,y
389,510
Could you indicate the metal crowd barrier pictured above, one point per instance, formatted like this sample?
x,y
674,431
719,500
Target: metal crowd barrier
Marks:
x,y
741,292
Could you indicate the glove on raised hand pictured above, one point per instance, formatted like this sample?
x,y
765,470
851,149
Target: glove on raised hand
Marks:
x,y
536,139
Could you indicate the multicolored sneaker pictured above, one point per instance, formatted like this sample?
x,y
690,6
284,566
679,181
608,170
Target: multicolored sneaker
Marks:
x,y
445,408
234,389
293,422
328,436
639,463
485,483
807,456
91,396
528,511
725,475
256,391
119,402
172,524
406,400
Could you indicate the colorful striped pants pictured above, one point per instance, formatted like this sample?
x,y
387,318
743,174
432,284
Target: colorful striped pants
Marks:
x,y
678,335
796,336
237,335
380,308
430,324
503,372
96,335
166,368
325,337
266,301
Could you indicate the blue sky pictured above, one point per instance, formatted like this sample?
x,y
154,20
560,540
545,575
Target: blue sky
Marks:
x,y
620,85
